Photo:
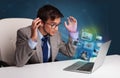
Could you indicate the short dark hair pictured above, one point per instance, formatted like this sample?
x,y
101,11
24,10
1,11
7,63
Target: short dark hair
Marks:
x,y
48,12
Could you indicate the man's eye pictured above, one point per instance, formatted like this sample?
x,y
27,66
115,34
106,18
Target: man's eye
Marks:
x,y
52,24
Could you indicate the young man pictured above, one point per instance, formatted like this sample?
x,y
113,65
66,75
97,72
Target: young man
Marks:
x,y
41,41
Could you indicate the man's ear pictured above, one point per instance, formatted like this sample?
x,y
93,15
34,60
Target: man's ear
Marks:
x,y
42,23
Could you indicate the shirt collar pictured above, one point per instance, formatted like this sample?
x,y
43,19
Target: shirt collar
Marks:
x,y
40,34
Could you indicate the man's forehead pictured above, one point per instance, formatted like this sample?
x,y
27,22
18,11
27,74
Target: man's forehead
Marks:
x,y
56,20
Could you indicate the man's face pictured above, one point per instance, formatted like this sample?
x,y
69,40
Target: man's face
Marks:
x,y
51,26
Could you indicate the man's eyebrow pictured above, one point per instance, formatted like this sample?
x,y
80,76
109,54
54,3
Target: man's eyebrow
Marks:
x,y
56,23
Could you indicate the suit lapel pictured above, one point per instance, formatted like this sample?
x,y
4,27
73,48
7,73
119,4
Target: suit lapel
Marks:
x,y
39,51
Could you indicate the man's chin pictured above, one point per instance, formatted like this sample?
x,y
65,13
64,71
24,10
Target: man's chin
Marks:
x,y
52,34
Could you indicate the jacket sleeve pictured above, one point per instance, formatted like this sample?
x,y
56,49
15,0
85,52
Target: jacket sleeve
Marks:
x,y
23,52
67,48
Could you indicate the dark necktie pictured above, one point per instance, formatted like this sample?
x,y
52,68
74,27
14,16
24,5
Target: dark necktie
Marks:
x,y
45,49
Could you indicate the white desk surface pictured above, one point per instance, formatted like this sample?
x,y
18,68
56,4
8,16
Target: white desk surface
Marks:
x,y
110,69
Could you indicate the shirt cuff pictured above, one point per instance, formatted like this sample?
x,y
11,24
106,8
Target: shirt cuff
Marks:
x,y
74,35
32,43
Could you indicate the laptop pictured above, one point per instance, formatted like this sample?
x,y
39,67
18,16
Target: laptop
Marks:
x,y
87,66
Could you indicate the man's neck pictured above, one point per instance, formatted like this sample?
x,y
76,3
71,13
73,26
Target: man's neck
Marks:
x,y
43,32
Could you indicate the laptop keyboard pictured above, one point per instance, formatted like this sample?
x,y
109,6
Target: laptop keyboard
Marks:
x,y
74,66
86,67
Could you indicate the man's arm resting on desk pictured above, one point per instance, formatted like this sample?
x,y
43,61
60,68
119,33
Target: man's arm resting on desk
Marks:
x,y
23,52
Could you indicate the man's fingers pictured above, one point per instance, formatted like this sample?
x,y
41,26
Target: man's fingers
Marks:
x,y
65,23
35,20
72,19
68,20
36,23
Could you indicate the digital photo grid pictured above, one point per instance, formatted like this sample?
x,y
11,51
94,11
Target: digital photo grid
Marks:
x,y
88,43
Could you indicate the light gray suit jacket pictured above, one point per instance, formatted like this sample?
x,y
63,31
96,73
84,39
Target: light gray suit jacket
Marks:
x,y
24,54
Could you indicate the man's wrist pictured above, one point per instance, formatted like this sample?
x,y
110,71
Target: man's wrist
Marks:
x,y
32,43
74,35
